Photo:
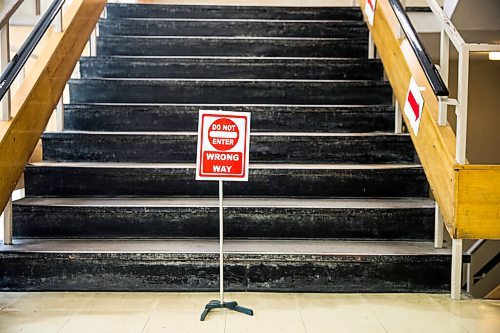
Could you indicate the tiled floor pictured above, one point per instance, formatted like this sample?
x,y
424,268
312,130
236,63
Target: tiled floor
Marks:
x,y
179,312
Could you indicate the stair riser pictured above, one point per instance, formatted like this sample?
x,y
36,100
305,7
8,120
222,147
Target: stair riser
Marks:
x,y
205,46
74,182
113,67
201,91
182,148
233,28
196,222
128,118
163,272
234,12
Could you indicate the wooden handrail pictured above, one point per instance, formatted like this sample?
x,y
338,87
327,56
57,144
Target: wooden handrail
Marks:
x,y
38,95
14,67
468,195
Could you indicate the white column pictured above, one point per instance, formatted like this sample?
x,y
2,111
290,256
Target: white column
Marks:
x,y
4,61
456,269
461,110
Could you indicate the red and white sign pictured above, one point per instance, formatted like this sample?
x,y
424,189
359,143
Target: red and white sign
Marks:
x,y
370,10
414,105
223,145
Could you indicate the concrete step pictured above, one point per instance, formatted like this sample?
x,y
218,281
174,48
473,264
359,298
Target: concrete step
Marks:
x,y
231,68
71,179
269,218
212,91
265,118
193,265
165,147
122,10
232,46
232,27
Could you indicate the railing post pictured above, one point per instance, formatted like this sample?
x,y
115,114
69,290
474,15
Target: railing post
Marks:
x,y
4,61
59,21
438,228
371,46
60,115
398,118
444,60
7,223
456,269
461,109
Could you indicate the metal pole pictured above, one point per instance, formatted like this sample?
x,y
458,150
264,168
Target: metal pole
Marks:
x,y
60,115
59,21
456,269
371,46
438,228
444,60
7,223
398,118
4,61
221,240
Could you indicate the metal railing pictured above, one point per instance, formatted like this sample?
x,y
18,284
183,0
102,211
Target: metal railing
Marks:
x,y
450,33
438,80
431,73
12,68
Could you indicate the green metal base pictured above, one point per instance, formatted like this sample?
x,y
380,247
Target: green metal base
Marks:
x,y
215,304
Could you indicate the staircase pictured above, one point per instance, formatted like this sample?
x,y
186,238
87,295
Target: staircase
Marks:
x,y
335,201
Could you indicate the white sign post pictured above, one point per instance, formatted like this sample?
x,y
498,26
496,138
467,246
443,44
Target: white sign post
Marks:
x,y
222,154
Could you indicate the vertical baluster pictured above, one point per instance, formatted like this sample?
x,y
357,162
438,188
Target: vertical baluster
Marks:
x,y
4,61
461,109
7,223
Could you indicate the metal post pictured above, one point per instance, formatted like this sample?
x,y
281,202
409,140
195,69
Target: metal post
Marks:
x,y
444,60
60,115
438,228
461,110
371,47
7,223
399,31
221,240
4,61
59,21
456,269
38,7
92,42
398,118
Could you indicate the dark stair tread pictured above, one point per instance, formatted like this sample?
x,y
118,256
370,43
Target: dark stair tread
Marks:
x,y
232,27
276,249
277,147
116,10
256,166
230,67
266,91
184,117
245,218
337,203
232,46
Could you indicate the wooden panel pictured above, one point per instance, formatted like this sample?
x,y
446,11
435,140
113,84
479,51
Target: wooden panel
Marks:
x,y
434,144
478,202
35,100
